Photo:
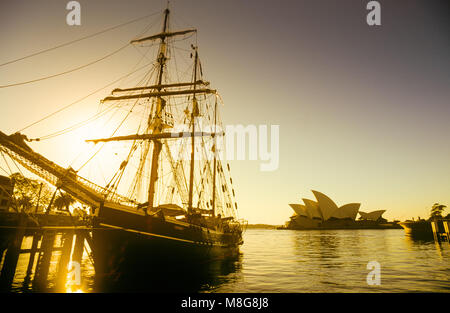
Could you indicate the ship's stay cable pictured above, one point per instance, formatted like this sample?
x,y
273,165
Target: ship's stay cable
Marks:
x,y
81,99
77,125
135,144
6,172
118,127
68,71
79,39
6,162
81,152
74,69
82,123
16,206
103,144
10,173
27,180
94,92
115,180
137,180
98,114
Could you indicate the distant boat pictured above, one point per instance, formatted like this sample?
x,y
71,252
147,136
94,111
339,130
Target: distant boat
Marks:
x,y
421,229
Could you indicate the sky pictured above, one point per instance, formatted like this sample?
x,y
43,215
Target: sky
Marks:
x,y
363,111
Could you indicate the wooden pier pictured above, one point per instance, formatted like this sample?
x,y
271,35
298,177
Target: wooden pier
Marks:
x,y
55,240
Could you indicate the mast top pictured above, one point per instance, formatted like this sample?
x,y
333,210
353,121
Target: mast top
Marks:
x,y
165,34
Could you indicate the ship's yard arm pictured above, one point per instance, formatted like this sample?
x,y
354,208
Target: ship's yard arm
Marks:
x,y
156,124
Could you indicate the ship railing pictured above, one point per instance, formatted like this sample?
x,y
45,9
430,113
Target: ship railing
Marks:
x,y
237,225
243,224
107,194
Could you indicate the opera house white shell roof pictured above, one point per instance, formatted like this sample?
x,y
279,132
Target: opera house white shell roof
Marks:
x,y
325,208
373,216
313,208
300,209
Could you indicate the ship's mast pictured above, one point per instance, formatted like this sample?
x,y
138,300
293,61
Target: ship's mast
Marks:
x,y
156,123
194,114
215,160
157,126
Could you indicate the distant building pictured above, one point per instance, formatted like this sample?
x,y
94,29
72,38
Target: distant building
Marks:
x,y
6,191
325,214
372,216
324,211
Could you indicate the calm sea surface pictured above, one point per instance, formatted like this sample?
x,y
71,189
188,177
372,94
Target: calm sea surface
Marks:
x,y
314,261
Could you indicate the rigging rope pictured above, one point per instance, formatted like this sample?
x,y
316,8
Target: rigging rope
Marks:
x,y
66,72
79,39
27,180
131,110
81,99
128,114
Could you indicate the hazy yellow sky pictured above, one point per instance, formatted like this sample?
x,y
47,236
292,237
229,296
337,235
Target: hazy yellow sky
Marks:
x,y
363,111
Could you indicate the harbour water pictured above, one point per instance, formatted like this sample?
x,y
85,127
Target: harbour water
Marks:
x,y
287,261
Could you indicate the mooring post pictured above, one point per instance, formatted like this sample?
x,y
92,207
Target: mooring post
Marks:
x,y
447,232
61,276
12,255
434,227
45,255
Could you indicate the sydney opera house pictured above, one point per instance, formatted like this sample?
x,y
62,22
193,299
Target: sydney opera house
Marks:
x,y
324,213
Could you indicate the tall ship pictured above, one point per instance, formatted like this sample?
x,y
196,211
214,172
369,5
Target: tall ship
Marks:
x,y
180,207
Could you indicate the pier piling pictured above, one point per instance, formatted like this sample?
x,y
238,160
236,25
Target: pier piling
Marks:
x,y
49,234
79,247
12,256
45,255
34,249
61,276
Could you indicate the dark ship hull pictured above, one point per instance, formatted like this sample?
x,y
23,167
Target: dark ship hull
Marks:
x,y
421,229
128,245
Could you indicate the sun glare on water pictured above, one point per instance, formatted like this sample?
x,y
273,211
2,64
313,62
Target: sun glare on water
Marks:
x,y
70,290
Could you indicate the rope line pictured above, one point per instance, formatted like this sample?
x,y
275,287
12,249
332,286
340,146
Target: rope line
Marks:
x,y
66,72
81,99
103,143
79,39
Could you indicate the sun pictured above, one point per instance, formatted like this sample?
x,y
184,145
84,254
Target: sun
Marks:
x,y
95,162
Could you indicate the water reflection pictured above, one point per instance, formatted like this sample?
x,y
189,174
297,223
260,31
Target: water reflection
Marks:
x,y
178,277
205,277
336,260
278,261
322,246
327,252
418,242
